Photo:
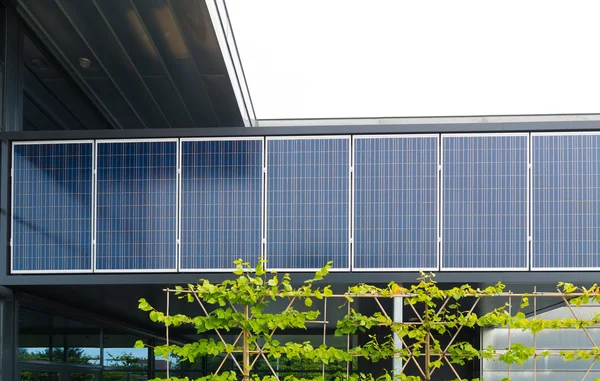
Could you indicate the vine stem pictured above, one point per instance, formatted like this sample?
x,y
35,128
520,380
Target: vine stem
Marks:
x,y
167,335
246,353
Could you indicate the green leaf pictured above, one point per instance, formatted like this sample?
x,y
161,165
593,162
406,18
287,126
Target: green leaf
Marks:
x,y
139,344
144,305
308,302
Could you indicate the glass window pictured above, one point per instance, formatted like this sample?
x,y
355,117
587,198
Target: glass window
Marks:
x,y
28,375
50,338
121,360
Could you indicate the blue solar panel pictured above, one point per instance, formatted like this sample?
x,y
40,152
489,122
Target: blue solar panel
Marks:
x,y
395,202
52,207
136,205
566,201
484,201
308,186
221,202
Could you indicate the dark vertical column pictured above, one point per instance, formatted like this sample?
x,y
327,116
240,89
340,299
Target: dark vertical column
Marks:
x,y
151,360
11,118
8,335
13,72
4,209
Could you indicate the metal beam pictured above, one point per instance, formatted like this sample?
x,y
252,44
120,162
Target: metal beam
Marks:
x,y
13,72
334,278
432,128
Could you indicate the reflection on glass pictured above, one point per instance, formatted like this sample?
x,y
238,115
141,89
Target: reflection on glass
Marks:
x,y
27,375
79,376
45,337
122,362
82,348
124,376
35,354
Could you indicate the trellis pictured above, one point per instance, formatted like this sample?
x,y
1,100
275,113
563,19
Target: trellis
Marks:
x,y
426,371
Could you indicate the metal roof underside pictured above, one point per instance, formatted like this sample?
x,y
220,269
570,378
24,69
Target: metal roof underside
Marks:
x,y
154,64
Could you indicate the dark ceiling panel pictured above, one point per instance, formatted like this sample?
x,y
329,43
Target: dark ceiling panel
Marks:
x,y
196,25
113,99
55,92
36,61
45,98
219,89
60,30
35,118
166,94
77,105
158,17
108,53
152,63
125,22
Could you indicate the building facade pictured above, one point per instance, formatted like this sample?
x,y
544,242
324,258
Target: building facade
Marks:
x,y
129,163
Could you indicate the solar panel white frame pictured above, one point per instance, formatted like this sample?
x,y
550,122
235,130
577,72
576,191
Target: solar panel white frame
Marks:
x,y
12,203
177,154
438,230
180,171
528,206
266,191
533,267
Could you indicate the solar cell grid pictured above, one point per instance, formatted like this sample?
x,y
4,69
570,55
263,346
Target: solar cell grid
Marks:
x,y
52,207
136,205
308,202
566,201
396,202
485,202
221,202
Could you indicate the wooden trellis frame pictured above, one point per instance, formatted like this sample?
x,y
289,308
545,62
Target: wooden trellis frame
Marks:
x,y
250,357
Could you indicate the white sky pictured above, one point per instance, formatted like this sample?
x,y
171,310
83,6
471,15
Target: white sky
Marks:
x,y
396,58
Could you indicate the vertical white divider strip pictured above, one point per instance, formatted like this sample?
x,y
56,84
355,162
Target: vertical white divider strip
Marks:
x,y
12,207
529,241
94,201
351,202
264,198
441,204
178,206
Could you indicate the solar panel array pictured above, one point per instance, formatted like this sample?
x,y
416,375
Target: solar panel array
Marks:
x,y
566,201
139,213
485,201
396,202
52,207
136,206
308,202
221,202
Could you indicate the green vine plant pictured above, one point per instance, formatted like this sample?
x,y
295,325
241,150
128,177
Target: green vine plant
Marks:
x,y
239,308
